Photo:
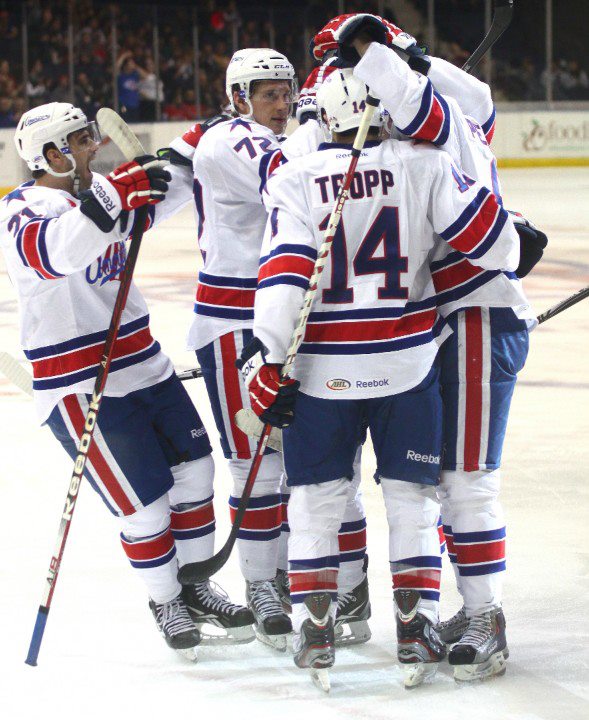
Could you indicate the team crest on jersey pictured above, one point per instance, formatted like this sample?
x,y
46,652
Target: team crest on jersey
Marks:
x,y
108,266
338,384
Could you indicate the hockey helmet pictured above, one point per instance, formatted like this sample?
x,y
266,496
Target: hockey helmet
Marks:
x,y
252,64
341,100
50,123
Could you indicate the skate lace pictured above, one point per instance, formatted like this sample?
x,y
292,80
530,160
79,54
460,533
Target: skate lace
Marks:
x,y
478,631
215,598
344,599
264,598
173,617
454,620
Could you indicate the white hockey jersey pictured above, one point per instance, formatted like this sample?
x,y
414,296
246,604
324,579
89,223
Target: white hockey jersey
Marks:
x,y
66,273
373,326
420,109
232,163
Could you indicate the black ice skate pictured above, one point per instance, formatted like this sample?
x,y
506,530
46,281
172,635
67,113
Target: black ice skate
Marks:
x,y
482,651
283,589
451,630
419,649
353,613
175,624
272,624
209,605
314,646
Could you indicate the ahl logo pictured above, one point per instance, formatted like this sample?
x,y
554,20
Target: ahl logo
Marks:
x,y
338,384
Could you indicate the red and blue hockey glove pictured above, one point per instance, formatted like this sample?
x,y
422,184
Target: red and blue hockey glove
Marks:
x,y
307,104
531,244
141,181
272,397
350,25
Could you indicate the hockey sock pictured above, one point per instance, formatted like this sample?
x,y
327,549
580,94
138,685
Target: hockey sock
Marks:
x,y
315,515
414,545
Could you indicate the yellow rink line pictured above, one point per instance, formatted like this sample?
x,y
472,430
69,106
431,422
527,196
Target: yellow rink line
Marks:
x,y
502,163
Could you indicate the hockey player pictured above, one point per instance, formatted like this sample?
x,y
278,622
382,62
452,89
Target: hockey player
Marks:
x,y
63,235
231,164
368,354
490,317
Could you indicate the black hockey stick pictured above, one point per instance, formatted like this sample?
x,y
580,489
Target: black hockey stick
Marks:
x,y
128,143
501,20
563,305
190,374
198,571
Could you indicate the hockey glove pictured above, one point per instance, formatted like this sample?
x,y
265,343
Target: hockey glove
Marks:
x,y
141,181
531,244
307,104
272,397
379,29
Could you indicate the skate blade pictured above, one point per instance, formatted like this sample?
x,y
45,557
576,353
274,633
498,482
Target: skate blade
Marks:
x,y
320,678
415,674
188,654
226,636
276,642
495,665
358,633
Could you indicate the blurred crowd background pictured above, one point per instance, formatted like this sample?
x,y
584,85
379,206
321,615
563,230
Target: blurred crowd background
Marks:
x,y
167,60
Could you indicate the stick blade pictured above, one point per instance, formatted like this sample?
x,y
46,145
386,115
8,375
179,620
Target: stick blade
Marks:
x,y
196,572
14,371
113,125
501,21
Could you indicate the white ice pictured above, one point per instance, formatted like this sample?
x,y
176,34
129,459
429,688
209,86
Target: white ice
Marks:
x,y
102,657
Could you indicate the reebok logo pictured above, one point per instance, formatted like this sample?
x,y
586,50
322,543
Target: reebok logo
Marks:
x,y
418,457
198,432
102,195
372,383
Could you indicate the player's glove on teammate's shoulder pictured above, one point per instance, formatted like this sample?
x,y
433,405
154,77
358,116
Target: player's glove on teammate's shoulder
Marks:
x,y
531,244
272,397
139,182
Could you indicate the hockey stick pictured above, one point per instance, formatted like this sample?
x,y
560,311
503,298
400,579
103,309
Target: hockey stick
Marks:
x,y
563,305
199,571
16,373
501,20
190,374
122,136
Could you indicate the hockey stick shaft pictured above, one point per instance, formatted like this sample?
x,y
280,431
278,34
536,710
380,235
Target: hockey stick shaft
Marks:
x,y
90,421
502,16
199,571
563,305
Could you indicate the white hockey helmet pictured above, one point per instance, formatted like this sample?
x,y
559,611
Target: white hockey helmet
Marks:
x,y
252,64
341,100
50,123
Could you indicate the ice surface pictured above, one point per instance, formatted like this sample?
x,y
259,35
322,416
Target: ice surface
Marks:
x,y
102,657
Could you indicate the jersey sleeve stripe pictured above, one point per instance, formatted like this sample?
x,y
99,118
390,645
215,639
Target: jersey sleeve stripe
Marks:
x,y
285,279
32,248
286,264
489,127
269,162
432,121
474,223
228,281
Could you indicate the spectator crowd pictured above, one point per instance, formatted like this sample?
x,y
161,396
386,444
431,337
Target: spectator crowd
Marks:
x,y
116,49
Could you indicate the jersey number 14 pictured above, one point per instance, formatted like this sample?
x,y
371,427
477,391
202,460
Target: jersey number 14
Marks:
x,y
383,233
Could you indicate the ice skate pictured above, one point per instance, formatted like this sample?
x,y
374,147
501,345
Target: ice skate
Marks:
x,y
272,624
177,627
419,649
314,646
353,613
209,605
451,630
482,651
283,589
